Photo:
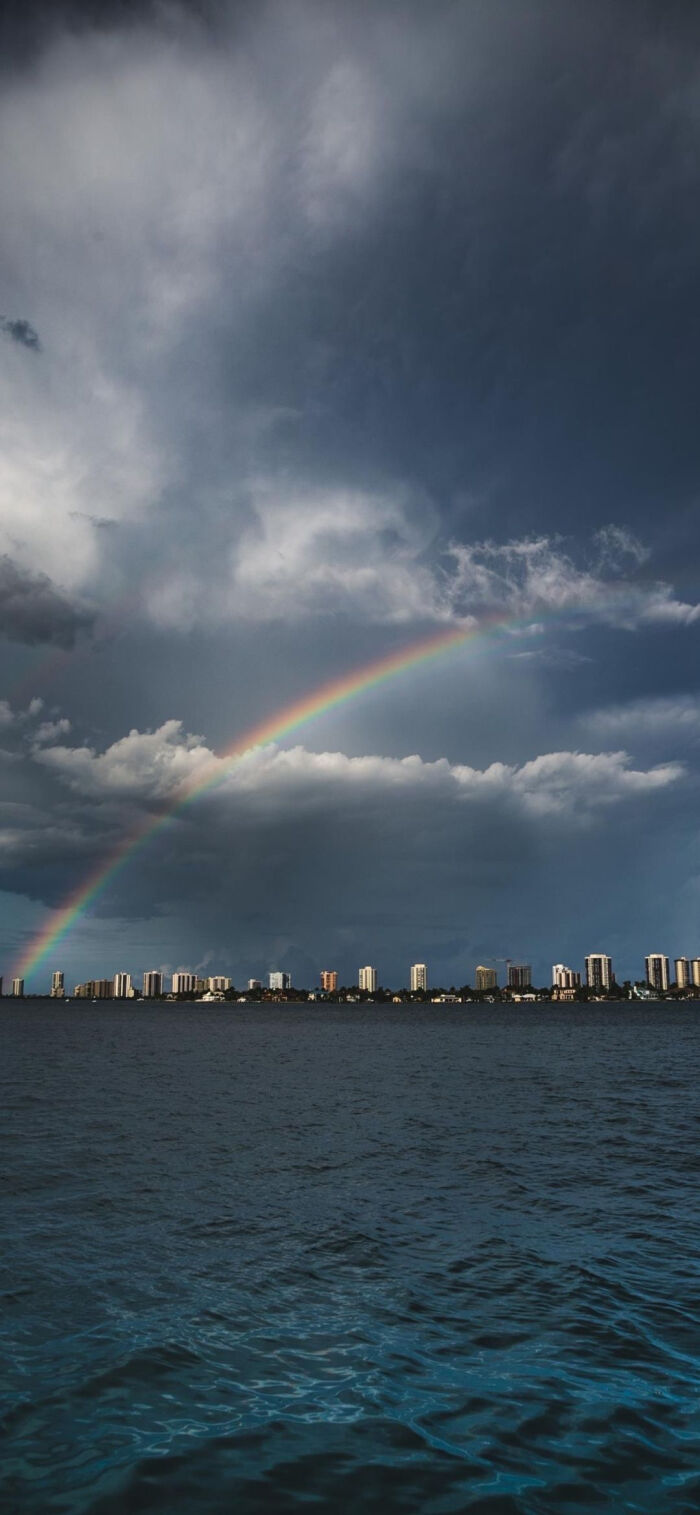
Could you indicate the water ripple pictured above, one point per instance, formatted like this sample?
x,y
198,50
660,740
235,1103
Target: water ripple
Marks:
x,y
450,1263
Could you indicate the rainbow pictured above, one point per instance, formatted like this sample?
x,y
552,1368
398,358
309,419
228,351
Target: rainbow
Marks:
x,y
326,697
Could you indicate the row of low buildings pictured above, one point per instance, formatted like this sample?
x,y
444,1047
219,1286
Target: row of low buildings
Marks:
x,y
598,978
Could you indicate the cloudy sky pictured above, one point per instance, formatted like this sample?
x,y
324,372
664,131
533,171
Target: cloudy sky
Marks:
x,y
324,326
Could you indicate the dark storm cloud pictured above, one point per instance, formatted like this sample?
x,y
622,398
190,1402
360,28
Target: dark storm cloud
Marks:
x,y
32,610
20,331
390,320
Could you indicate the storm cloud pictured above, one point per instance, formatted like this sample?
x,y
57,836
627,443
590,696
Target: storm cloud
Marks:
x,y
357,323
33,610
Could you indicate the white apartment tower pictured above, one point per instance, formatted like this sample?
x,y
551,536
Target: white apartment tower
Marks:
x,y
18,988
599,971
122,986
57,988
656,968
152,984
684,973
419,977
277,980
184,983
564,978
367,980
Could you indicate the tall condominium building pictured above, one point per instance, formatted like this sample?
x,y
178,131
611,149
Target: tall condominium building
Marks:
x,y
565,978
122,988
0,986
329,980
486,978
218,984
57,988
519,976
419,977
599,971
695,969
279,981
18,988
152,984
656,970
367,980
684,972
255,983
184,983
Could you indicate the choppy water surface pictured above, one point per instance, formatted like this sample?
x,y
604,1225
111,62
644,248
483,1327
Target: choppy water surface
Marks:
x,y
261,1259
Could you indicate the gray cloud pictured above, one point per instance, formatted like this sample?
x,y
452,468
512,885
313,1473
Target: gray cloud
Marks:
x,y
33,610
20,331
386,327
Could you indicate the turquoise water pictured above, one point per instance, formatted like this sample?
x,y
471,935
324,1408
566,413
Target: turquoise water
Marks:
x,y
330,1258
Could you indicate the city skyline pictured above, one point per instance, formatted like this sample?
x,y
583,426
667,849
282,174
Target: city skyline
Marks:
x,y
598,976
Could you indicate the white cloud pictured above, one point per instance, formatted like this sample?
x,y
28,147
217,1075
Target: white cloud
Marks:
x,y
536,576
153,766
664,608
318,551
143,765
671,717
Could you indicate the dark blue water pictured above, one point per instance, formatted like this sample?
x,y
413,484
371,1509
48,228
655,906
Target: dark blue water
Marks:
x,y
397,1260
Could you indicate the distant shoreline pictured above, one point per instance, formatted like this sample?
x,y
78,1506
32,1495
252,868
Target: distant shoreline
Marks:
x,y
151,1003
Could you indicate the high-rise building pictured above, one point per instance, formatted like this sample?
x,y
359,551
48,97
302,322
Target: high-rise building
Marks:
x,y
184,983
684,973
122,988
18,988
367,980
329,980
486,978
419,977
280,981
255,983
565,978
656,970
519,976
152,984
0,986
218,985
599,971
695,967
103,988
57,989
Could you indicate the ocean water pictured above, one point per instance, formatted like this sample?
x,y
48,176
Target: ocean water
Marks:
x,y
332,1259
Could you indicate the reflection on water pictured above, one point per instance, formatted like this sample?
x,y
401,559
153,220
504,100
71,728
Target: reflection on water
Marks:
x,y
433,1259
